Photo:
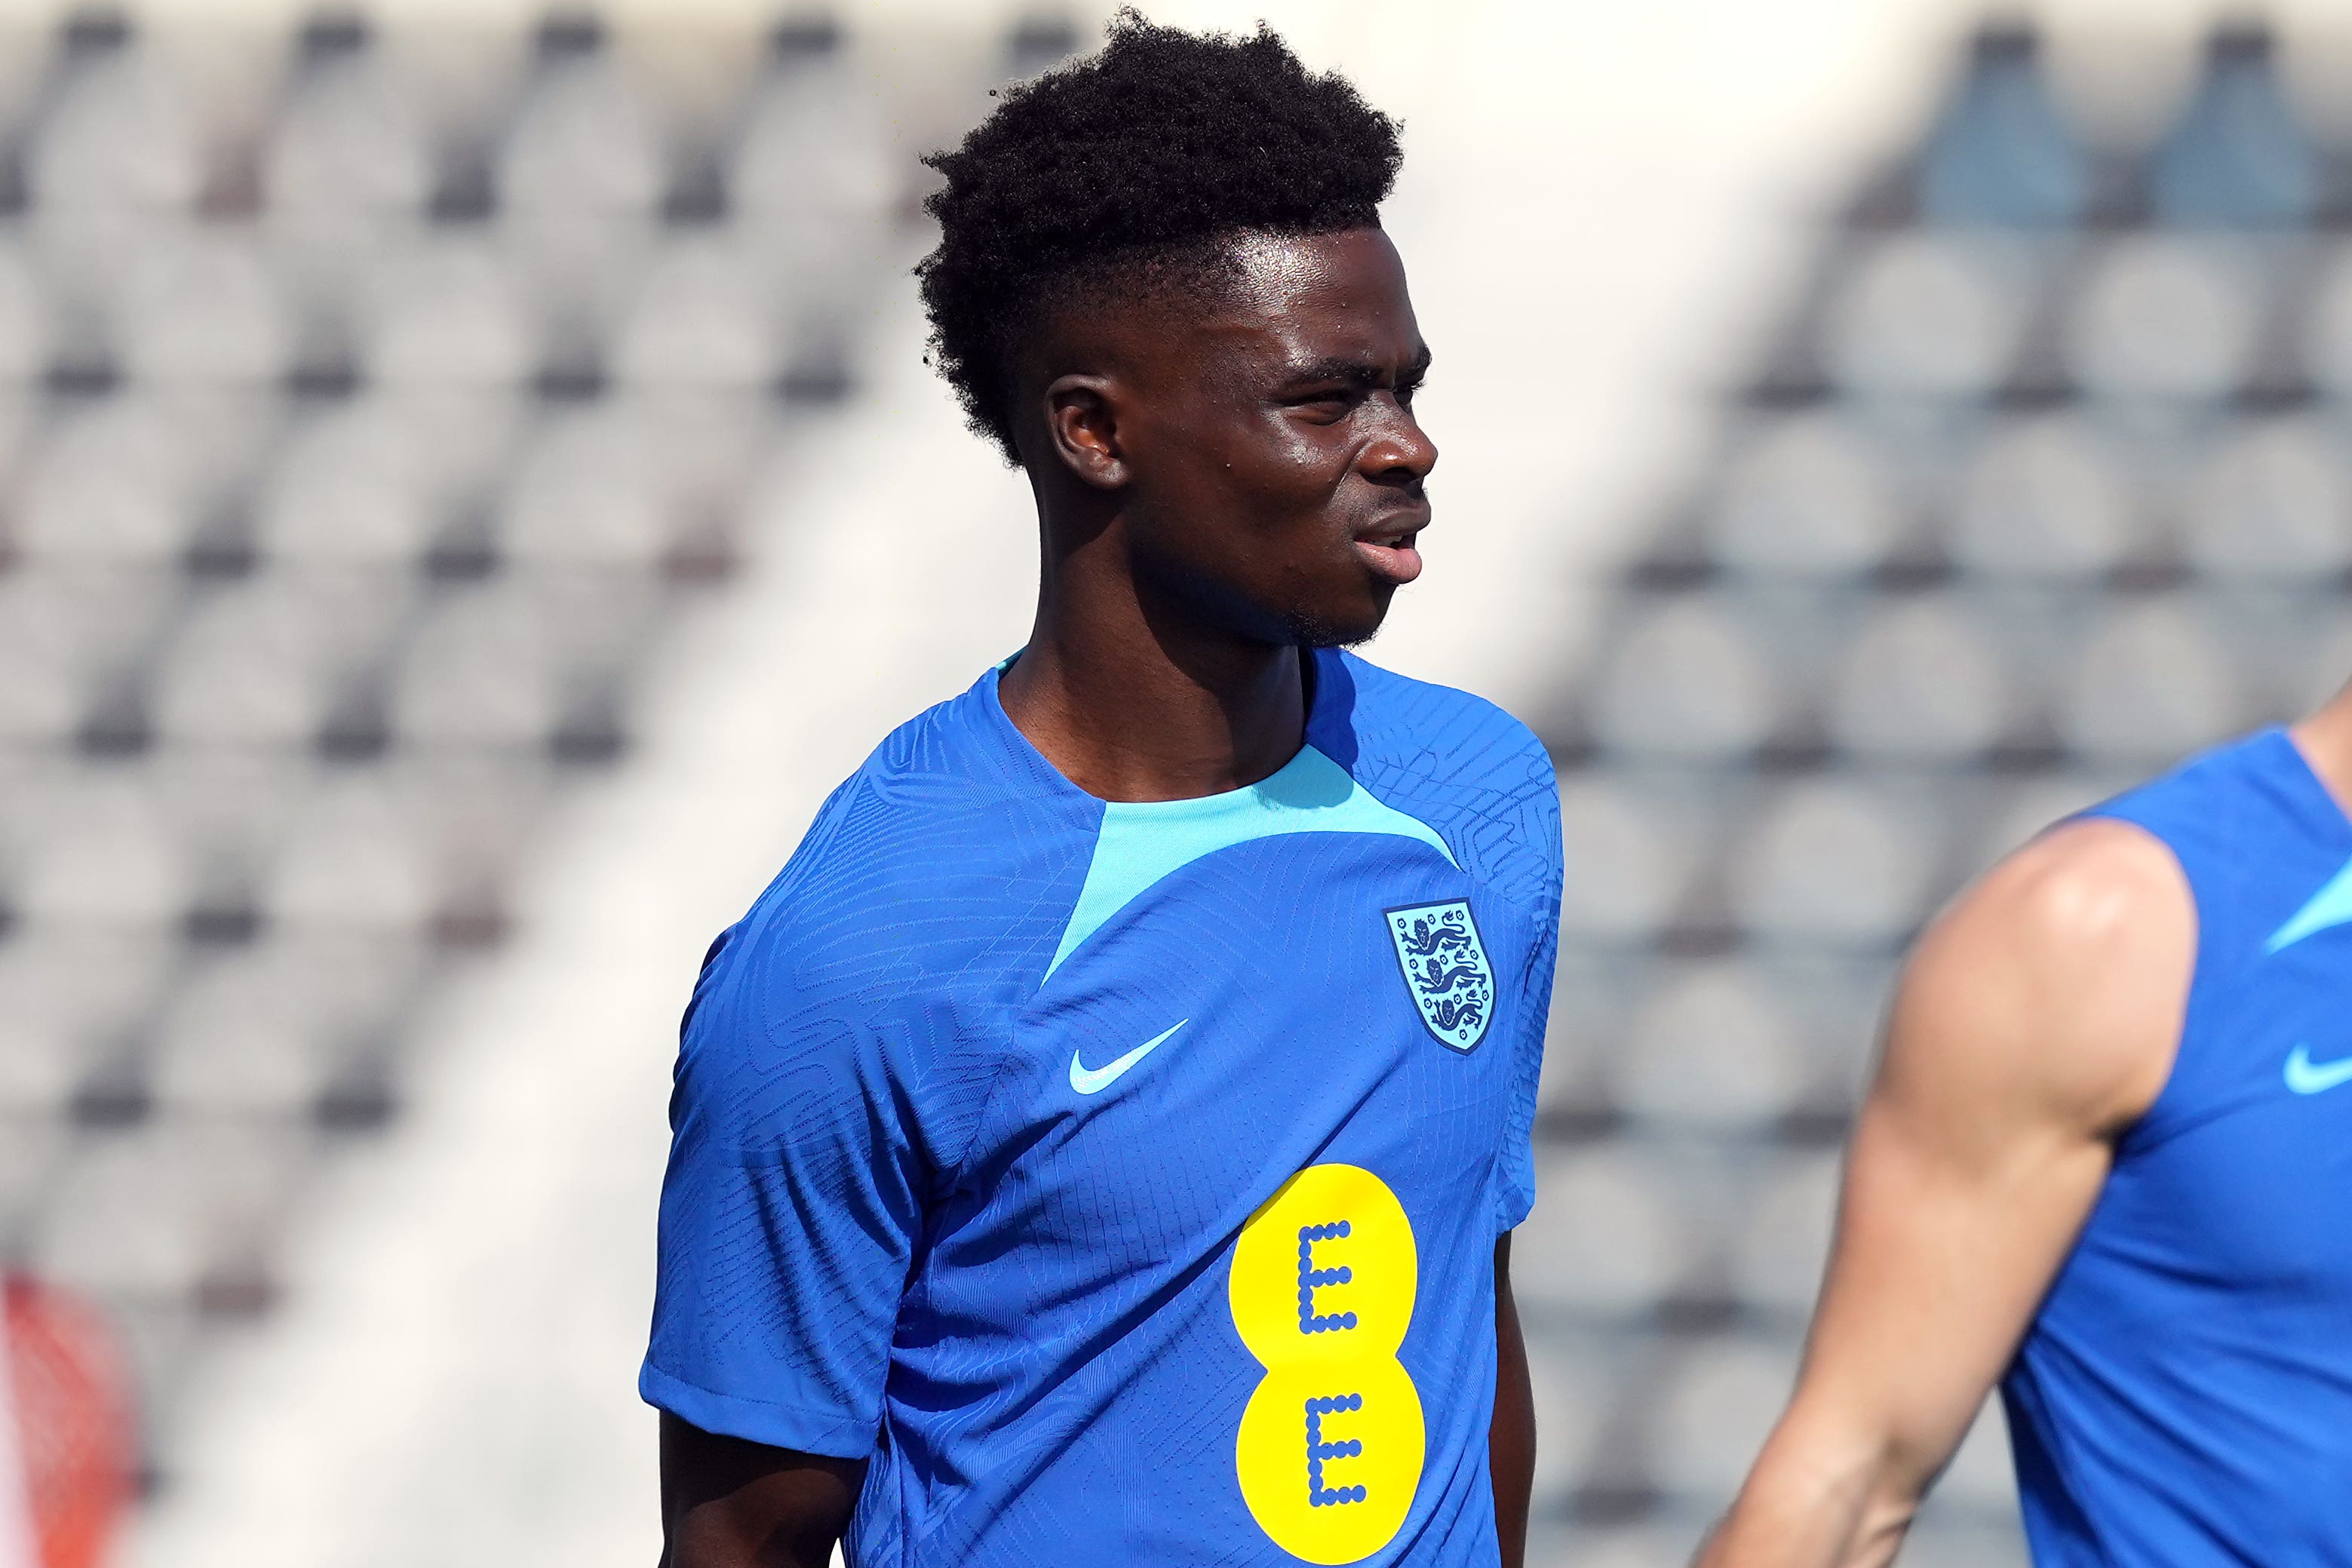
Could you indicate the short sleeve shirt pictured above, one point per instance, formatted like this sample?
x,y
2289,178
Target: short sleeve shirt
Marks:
x,y
1122,1180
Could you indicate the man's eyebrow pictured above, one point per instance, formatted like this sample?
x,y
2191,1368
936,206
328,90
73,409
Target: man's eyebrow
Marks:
x,y
1359,373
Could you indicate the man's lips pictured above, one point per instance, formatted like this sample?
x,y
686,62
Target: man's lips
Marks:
x,y
1392,548
1392,554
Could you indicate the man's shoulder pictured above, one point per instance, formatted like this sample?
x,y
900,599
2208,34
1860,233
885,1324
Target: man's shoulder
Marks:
x,y
934,851
1479,777
1456,735
2062,973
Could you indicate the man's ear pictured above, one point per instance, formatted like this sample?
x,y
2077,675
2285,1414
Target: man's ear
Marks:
x,y
1082,426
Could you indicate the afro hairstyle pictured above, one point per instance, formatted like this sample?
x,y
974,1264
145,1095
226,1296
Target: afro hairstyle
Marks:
x,y
1127,170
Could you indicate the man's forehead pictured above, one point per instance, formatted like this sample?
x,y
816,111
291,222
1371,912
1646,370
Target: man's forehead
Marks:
x,y
1277,302
1279,270
1320,295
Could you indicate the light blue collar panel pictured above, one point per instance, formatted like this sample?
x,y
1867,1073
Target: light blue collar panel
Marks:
x,y
2331,905
1142,842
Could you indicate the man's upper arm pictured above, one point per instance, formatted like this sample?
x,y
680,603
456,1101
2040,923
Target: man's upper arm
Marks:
x,y
2037,1021
788,1212
729,1503
1511,1433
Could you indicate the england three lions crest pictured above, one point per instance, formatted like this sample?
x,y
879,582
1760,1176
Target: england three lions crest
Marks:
x,y
1445,970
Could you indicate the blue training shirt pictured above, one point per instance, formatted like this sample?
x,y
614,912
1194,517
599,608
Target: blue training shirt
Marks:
x,y
1124,1179
2184,1396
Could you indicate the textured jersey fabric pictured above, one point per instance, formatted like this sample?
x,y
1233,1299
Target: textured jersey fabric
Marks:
x,y
1124,1178
2184,1396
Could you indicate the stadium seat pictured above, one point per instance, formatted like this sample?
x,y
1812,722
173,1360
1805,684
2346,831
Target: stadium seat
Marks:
x,y
497,663
592,487
1836,863
706,313
2001,154
1593,994
70,995
1634,862
1685,682
158,1210
1782,1244
264,1028
2317,667
258,661
581,145
50,664
115,483
348,142
2042,499
2237,158
449,310
1920,682
105,857
1719,1401
1804,497
2170,318
357,861
1712,1050
376,479
207,309
30,1148
1929,315
2151,684
118,141
260,1063
1611,1242
2325,338
226,808
1837,998
811,157
2273,503
27,325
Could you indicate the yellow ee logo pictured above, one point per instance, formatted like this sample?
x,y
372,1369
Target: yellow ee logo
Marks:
x,y
1331,1446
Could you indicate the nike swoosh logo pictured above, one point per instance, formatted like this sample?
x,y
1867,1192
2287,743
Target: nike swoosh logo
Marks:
x,y
2307,1077
1094,1080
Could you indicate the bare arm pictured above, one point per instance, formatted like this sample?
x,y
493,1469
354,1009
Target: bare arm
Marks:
x,y
728,1503
1511,1437
2037,1019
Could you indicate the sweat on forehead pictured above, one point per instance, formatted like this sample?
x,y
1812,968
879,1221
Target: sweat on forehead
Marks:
x,y
1241,267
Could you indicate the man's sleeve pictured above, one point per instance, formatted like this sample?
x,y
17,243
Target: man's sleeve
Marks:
x,y
788,1214
1540,820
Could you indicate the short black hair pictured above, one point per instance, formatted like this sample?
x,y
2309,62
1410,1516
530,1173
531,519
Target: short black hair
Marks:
x,y
1136,160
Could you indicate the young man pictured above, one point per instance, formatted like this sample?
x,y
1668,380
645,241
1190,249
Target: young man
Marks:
x,y
1100,1143
2108,1159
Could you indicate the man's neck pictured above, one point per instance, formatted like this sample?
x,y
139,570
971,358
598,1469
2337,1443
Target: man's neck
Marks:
x,y
1129,713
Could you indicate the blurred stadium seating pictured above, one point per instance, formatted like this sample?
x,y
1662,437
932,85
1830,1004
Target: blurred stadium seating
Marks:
x,y
2045,482
367,413
373,409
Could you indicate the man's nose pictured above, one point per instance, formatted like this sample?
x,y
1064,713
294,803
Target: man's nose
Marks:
x,y
1402,454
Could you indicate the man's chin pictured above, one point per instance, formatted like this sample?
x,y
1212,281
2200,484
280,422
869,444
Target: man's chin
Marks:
x,y
1310,629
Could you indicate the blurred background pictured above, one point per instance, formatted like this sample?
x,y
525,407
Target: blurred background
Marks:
x,y
468,486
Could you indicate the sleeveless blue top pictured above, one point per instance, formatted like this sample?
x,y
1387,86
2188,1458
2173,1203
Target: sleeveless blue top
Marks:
x,y
2184,1395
